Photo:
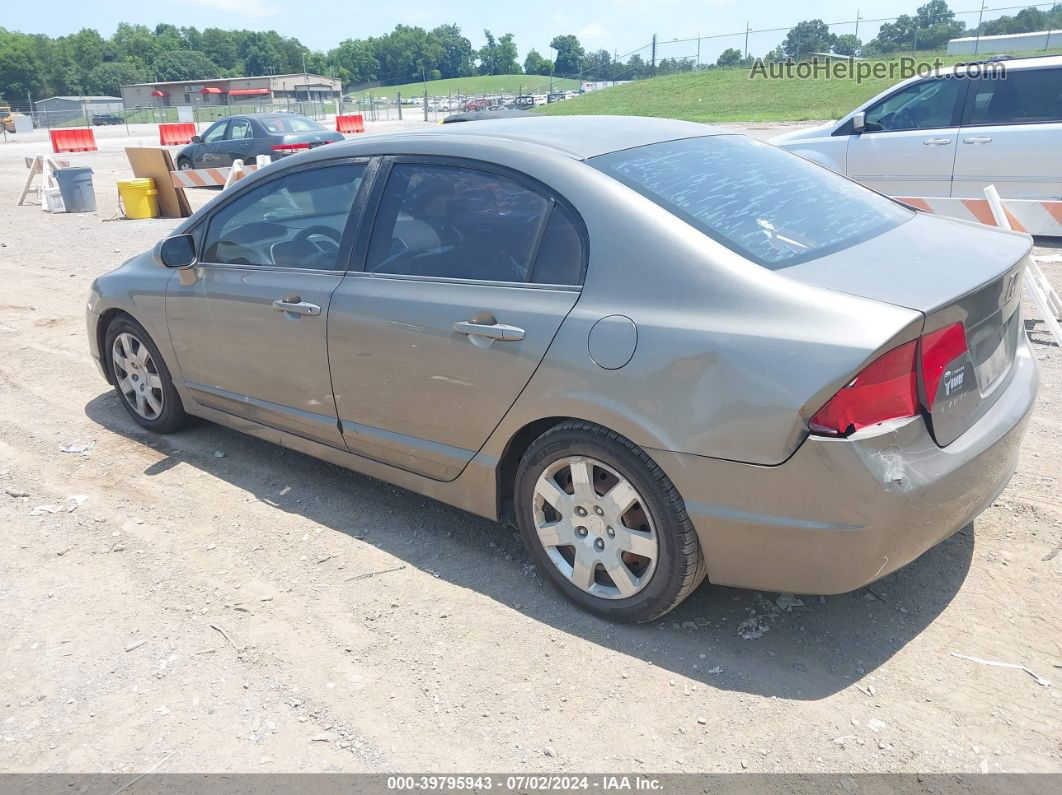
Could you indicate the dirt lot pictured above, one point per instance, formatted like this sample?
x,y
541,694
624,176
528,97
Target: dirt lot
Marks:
x,y
215,603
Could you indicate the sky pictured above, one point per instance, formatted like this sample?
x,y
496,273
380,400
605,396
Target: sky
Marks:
x,y
619,26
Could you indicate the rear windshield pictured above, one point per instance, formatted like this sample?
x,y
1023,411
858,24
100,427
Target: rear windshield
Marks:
x,y
770,206
290,124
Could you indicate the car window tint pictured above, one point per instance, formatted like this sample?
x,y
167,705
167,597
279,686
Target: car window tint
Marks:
x,y
772,207
561,254
295,221
921,106
240,128
454,222
1024,96
215,133
280,125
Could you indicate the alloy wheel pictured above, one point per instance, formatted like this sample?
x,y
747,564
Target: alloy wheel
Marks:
x,y
595,527
136,376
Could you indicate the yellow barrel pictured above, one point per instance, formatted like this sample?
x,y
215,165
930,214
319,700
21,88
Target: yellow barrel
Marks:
x,y
139,197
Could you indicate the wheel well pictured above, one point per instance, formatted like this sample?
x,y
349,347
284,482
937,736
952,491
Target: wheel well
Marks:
x,y
105,321
510,460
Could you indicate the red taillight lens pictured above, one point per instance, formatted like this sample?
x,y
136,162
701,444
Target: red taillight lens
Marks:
x,y
939,349
885,389
290,148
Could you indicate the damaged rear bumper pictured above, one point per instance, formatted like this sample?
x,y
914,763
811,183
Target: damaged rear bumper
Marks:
x,y
840,513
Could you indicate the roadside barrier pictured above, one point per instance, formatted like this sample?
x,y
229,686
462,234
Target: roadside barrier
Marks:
x,y
215,177
176,134
1025,215
354,123
73,139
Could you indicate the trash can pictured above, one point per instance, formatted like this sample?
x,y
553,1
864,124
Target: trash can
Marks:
x,y
139,197
75,185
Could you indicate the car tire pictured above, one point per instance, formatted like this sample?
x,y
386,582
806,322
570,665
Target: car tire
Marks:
x,y
628,554
141,378
184,164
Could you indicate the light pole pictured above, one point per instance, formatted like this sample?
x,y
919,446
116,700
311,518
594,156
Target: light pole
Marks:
x,y
980,16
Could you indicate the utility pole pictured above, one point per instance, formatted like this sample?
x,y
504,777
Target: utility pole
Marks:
x,y
858,17
398,99
652,59
424,77
748,27
980,16
698,48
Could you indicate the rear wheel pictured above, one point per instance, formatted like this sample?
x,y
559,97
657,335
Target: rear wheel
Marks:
x,y
605,524
141,378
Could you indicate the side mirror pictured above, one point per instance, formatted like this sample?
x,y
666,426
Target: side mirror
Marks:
x,y
197,139
175,252
859,122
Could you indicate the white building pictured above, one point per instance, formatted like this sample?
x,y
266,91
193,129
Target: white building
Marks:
x,y
1008,42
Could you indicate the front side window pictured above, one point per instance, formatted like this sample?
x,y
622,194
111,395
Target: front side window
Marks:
x,y
772,207
929,104
455,222
294,221
215,133
1023,96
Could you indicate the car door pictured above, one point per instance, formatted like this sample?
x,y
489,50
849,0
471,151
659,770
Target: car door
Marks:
x,y
468,274
249,324
1011,136
238,141
209,153
907,147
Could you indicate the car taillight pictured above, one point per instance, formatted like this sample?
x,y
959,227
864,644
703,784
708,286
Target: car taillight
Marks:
x,y
885,389
290,148
939,349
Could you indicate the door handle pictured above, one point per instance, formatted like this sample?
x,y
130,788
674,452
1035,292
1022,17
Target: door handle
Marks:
x,y
936,141
977,139
299,307
493,331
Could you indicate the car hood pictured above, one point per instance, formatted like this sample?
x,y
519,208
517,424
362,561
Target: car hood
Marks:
x,y
804,134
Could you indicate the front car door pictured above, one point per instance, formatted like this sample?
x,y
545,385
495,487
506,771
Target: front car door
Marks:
x,y
1011,136
468,274
209,153
238,141
908,145
249,331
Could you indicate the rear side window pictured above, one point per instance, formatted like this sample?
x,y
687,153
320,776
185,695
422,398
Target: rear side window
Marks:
x,y
1024,96
455,222
772,207
562,252
280,125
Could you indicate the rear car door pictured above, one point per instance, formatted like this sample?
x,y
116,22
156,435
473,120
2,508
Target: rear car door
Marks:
x,y
1011,136
249,330
468,274
908,145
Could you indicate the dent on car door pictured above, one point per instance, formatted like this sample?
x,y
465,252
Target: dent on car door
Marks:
x,y
467,277
907,147
1010,136
249,330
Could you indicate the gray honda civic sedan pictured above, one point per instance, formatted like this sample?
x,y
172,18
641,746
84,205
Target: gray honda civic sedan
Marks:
x,y
668,352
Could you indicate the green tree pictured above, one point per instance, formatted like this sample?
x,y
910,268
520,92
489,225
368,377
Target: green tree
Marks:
x,y
811,35
535,64
569,54
498,56
108,78
847,44
729,57
356,56
184,65
458,57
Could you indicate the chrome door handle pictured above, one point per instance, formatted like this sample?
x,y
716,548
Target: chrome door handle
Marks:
x,y
494,331
936,141
296,306
981,139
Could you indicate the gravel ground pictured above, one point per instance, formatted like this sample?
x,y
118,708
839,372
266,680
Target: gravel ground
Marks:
x,y
217,603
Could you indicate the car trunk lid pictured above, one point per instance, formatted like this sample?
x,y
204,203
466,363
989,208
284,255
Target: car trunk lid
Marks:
x,y
954,274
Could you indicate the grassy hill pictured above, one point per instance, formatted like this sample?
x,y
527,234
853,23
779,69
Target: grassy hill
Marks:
x,y
722,95
471,86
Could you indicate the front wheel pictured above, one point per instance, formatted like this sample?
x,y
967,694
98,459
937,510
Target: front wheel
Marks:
x,y
605,524
184,164
141,378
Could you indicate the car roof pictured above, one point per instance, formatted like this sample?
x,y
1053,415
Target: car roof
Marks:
x,y
579,137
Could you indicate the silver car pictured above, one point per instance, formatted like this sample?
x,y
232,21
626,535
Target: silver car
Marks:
x,y
671,353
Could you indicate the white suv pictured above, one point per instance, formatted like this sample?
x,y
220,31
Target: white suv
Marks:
x,y
939,136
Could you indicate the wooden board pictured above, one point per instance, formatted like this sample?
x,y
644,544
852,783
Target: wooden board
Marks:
x,y
157,164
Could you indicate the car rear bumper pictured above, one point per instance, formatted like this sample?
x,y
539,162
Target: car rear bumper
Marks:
x,y
840,513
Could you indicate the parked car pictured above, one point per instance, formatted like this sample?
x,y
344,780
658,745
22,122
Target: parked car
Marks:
x,y
481,115
667,351
100,119
275,135
946,136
